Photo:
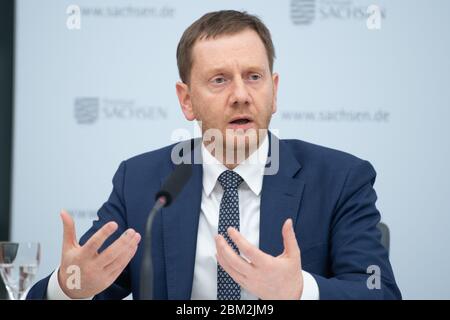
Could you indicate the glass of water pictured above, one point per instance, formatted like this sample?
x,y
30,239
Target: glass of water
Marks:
x,y
19,263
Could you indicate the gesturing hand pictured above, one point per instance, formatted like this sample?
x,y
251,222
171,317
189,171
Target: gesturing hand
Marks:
x,y
263,275
97,271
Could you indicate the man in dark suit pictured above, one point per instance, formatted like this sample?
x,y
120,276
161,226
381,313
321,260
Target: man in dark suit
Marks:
x,y
259,218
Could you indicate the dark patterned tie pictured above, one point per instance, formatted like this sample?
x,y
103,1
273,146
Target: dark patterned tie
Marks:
x,y
227,288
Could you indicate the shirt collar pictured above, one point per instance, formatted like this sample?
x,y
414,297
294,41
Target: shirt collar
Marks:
x,y
251,169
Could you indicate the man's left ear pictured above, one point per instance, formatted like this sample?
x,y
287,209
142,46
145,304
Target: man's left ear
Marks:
x,y
184,97
275,79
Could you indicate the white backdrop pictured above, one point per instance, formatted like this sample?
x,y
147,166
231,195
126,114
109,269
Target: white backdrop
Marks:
x,y
88,98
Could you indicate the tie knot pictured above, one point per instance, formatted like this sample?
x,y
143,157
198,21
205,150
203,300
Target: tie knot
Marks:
x,y
230,179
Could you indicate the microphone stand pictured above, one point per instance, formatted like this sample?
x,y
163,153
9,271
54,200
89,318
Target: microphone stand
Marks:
x,y
146,279
165,196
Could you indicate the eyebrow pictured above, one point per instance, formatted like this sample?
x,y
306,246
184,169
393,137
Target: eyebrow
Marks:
x,y
223,70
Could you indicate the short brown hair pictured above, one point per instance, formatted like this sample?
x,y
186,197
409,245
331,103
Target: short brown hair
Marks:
x,y
214,24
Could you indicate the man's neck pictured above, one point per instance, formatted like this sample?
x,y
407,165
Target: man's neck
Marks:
x,y
232,157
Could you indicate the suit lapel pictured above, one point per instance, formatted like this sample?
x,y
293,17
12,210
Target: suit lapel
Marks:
x,y
180,227
280,198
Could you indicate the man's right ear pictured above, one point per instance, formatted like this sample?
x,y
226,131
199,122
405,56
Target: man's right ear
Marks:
x,y
184,97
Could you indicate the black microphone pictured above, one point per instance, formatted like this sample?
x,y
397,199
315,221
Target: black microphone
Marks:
x,y
165,196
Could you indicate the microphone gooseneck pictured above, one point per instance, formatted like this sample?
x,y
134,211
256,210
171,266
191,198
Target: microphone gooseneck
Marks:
x,y
164,197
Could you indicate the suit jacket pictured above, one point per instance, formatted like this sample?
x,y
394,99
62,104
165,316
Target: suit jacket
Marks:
x,y
328,194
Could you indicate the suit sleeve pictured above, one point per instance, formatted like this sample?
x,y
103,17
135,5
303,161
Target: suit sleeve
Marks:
x,y
112,210
359,264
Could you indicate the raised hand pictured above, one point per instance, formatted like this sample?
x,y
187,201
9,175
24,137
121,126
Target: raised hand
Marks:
x,y
96,271
263,275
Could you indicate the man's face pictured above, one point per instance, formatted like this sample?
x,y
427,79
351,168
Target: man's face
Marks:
x,y
231,86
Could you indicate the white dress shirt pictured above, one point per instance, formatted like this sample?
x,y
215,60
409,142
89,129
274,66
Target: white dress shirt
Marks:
x,y
204,284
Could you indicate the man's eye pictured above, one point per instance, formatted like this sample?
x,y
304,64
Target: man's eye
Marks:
x,y
218,80
255,77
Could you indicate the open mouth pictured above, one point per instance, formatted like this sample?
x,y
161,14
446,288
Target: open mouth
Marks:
x,y
240,121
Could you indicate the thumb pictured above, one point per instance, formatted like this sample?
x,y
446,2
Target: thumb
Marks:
x,y
289,240
69,235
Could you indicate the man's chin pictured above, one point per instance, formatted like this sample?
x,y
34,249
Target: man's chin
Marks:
x,y
241,143
233,145
239,138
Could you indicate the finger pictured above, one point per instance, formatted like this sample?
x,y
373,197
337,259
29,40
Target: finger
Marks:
x,y
251,253
92,246
231,257
234,274
116,267
289,240
69,234
119,247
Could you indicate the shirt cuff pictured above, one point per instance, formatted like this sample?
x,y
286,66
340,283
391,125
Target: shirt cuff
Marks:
x,y
54,291
310,287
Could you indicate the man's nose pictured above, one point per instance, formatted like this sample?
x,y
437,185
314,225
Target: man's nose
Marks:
x,y
240,94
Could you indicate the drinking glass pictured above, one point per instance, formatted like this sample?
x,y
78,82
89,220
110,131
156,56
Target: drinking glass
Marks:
x,y
19,262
